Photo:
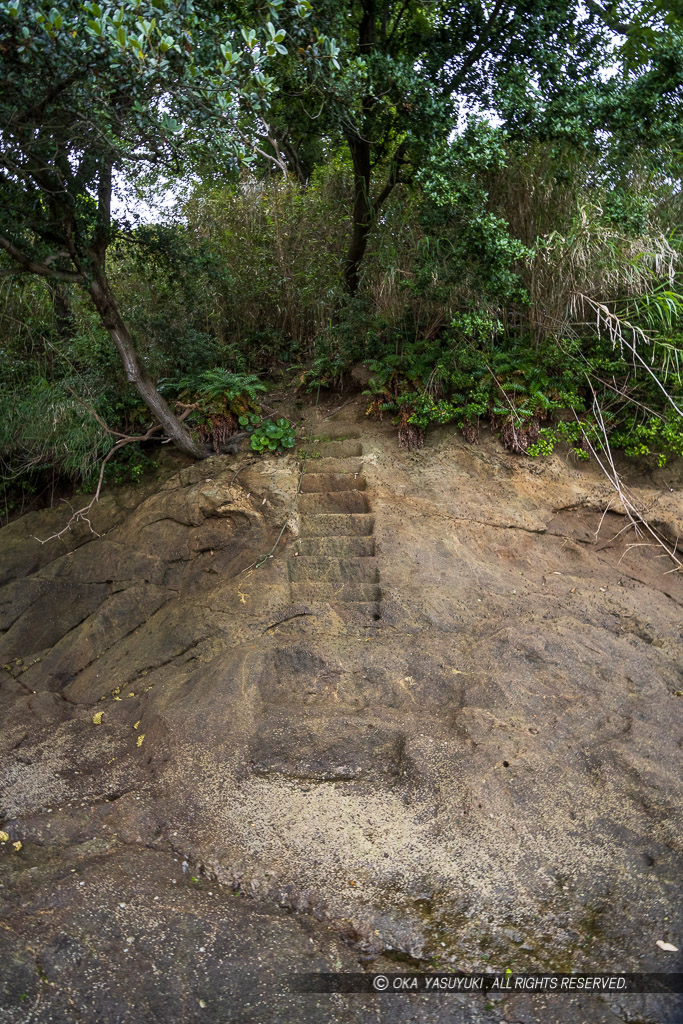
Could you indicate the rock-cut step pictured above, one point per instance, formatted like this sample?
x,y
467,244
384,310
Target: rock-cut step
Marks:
x,y
315,483
350,503
315,569
323,465
341,547
335,449
325,593
335,564
336,525
357,612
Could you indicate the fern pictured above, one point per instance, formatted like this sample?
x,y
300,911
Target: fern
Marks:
x,y
217,383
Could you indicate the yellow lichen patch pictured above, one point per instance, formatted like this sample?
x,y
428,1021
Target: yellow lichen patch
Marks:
x,y
137,723
18,845
140,739
97,718
4,836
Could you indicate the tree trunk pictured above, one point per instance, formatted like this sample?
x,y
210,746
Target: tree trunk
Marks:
x,y
362,213
365,210
64,318
106,306
359,146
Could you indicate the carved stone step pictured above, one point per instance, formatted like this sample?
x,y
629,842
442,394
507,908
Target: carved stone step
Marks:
x,y
316,483
307,593
323,465
333,449
349,434
349,502
344,547
360,613
336,525
332,570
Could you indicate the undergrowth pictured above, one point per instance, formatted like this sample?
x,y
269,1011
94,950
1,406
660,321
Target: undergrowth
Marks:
x,y
534,396
532,293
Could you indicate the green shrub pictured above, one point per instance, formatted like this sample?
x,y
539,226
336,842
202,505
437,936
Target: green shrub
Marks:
x,y
325,372
533,396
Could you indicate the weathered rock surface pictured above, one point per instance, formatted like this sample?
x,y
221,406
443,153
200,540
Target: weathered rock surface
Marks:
x,y
442,724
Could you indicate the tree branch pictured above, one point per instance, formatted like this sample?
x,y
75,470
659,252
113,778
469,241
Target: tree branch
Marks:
x,y
476,51
30,115
397,21
392,181
129,437
292,157
101,240
620,27
30,266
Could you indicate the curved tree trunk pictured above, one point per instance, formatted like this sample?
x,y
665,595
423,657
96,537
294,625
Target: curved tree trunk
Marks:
x,y
106,306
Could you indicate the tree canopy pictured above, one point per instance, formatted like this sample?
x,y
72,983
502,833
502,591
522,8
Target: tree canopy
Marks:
x,y
411,72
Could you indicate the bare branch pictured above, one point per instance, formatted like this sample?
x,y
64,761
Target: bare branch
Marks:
x,y
635,515
81,514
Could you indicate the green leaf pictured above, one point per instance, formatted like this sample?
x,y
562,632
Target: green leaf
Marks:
x,y
171,125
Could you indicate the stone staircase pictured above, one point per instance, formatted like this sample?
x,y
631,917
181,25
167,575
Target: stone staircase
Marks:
x,y
334,556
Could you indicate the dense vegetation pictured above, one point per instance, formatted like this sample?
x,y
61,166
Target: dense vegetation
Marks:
x,y
479,202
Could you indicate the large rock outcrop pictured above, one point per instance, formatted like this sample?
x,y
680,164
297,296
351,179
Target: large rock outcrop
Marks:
x,y
441,724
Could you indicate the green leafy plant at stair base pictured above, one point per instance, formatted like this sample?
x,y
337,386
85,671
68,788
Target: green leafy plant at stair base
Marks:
x,y
249,421
273,436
